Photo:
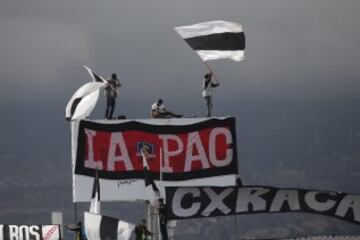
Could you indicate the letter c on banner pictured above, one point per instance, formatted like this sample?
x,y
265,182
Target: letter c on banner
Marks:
x,y
179,194
310,199
212,147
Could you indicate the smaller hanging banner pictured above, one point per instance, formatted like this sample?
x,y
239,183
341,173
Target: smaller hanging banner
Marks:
x,y
29,232
197,202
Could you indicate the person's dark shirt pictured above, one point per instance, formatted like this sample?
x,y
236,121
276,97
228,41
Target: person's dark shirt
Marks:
x,y
162,213
110,90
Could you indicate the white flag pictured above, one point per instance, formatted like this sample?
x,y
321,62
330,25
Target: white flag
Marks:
x,y
85,98
83,101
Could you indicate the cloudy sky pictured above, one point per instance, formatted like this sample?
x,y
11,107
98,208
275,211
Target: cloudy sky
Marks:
x,y
301,71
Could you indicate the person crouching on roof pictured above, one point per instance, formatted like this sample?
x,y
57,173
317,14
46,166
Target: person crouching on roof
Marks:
x,y
158,110
111,93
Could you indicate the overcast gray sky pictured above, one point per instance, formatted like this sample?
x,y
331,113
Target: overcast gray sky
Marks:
x,y
301,69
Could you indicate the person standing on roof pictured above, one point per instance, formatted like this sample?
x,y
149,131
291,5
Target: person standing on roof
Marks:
x,y
111,93
209,83
158,110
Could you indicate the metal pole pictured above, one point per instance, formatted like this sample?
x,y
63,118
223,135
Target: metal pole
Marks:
x,y
235,226
148,222
75,212
161,166
57,219
157,215
237,185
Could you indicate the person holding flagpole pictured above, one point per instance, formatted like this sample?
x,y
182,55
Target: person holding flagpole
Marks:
x,y
214,40
209,83
111,93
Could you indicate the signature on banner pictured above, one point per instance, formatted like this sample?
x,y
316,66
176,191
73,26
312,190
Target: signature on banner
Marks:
x,y
127,181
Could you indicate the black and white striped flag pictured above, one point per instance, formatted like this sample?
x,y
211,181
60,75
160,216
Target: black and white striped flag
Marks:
x,y
150,186
98,227
85,98
215,39
95,196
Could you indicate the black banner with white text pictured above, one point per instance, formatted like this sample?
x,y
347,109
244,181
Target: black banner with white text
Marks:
x,y
197,202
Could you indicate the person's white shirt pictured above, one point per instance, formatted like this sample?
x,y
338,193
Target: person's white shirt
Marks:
x,y
207,90
161,108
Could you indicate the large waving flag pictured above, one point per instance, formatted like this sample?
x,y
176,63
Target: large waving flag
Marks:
x,y
95,196
215,39
83,101
98,227
85,98
150,186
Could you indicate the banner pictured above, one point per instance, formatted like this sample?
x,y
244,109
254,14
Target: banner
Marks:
x,y
29,232
197,202
191,151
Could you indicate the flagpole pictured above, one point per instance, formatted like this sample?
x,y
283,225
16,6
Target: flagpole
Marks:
x,y
238,184
161,184
161,165
235,226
